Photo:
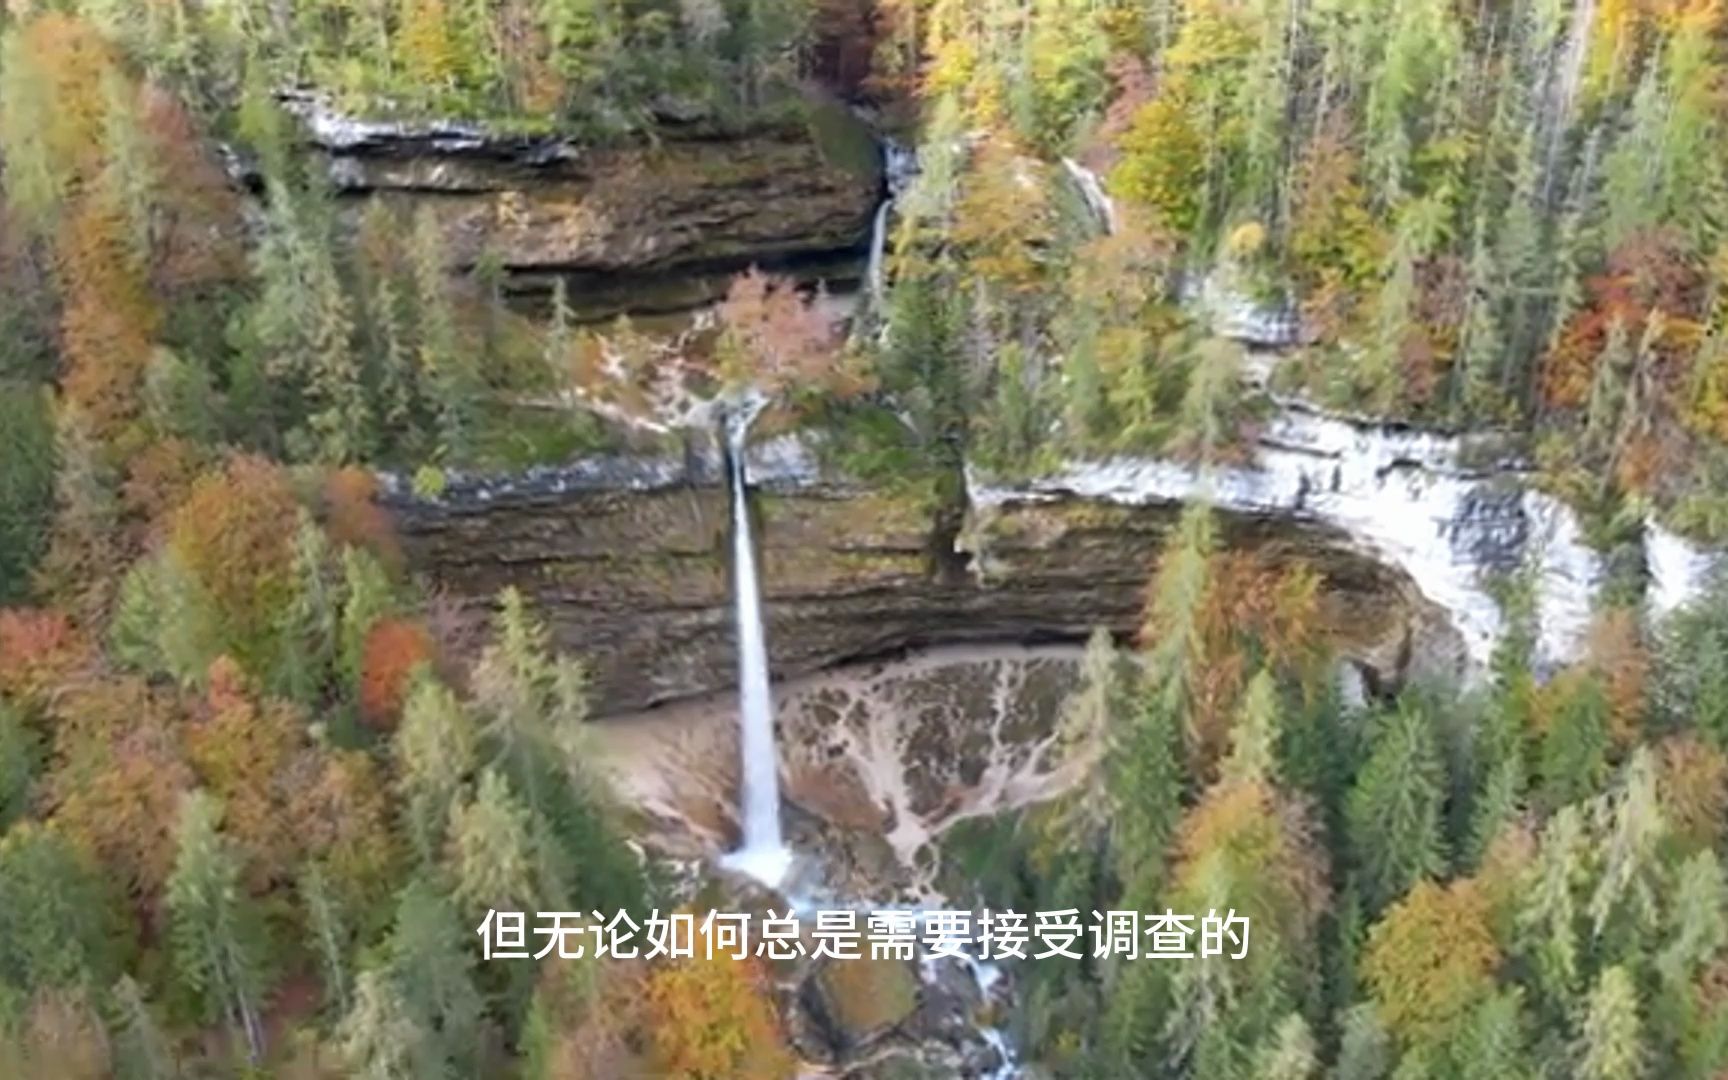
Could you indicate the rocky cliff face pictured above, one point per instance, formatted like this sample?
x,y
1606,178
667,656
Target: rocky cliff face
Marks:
x,y
628,558
644,226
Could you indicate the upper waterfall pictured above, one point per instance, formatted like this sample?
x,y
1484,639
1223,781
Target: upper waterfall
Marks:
x,y
1092,190
899,167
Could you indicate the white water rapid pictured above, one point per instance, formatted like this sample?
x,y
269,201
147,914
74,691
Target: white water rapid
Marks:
x,y
1092,190
764,854
1405,497
1679,571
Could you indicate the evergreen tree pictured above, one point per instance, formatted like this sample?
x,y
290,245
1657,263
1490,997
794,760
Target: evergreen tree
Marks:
x,y
1394,810
1550,909
533,708
1292,1054
1692,669
430,964
1204,427
55,924
435,752
20,760
445,370
1610,1045
141,1051
341,424
490,853
380,1039
217,938
1625,904
1573,756
330,936
1254,740
1494,1044
367,597
26,483
1364,1050
310,627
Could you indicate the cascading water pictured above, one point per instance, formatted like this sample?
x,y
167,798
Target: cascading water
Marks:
x,y
878,249
764,854
1092,190
899,166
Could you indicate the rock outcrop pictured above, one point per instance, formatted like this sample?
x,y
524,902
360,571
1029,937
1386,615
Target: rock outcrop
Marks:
x,y
655,224
627,556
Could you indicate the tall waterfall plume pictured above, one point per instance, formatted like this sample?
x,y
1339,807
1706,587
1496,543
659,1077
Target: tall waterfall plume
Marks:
x,y
763,854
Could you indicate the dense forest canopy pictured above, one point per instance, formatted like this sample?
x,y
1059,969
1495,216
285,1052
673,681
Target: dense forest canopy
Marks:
x,y
259,781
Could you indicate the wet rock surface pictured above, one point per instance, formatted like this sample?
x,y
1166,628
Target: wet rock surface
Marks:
x,y
918,744
628,559
649,224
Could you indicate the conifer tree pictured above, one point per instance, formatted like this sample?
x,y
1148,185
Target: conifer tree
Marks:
x,y
310,621
1573,756
1292,1054
1549,911
431,966
491,855
1364,1050
435,751
1394,809
380,1039
1254,739
330,937
367,597
26,483
20,759
55,930
1204,428
447,373
1610,1044
1495,1042
218,941
1625,906
141,1050
341,424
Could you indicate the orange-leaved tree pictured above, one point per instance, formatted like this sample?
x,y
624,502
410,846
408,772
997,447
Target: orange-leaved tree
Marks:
x,y
713,1019
235,535
394,650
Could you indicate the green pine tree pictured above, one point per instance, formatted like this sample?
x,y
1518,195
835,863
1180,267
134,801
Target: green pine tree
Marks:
x,y
217,936
1394,811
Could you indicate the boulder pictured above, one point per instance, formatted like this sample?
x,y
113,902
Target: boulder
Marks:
x,y
860,1001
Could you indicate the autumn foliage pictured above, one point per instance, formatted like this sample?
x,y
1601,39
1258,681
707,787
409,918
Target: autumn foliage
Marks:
x,y
235,533
711,1019
39,649
1431,958
353,516
1252,611
394,650
779,340
122,771
1652,291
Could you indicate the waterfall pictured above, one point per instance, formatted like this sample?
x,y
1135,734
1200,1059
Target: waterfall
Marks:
x,y
1092,190
1679,572
764,854
1413,500
878,250
899,167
